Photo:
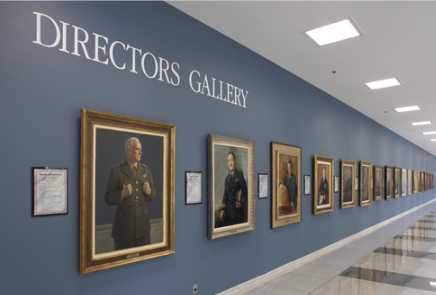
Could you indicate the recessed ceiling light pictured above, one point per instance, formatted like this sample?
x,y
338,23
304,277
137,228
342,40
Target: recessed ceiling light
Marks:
x,y
407,109
422,123
332,33
385,83
433,139
429,132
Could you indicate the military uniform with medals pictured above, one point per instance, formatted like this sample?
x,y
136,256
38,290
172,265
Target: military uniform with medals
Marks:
x,y
131,225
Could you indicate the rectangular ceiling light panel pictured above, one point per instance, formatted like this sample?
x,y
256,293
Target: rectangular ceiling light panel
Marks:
x,y
407,109
422,123
333,33
385,83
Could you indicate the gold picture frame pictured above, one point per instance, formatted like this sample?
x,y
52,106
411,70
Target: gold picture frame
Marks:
x,y
286,184
379,183
323,199
231,203
161,192
365,189
345,182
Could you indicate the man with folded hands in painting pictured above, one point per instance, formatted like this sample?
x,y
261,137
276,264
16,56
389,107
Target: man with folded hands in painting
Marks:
x,y
234,209
130,188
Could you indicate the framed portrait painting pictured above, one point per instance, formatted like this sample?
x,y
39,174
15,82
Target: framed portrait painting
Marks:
x,y
348,192
397,182
389,182
409,182
415,181
403,182
323,195
365,175
231,186
379,183
127,178
286,185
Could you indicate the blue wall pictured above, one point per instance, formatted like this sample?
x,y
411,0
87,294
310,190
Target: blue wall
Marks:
x,y
42,91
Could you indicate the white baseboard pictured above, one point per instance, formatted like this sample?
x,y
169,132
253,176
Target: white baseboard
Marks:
x,y
281,270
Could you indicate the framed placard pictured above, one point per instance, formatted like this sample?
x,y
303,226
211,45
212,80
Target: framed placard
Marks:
x,y
193,186
50,191
262,184
336,184
307,185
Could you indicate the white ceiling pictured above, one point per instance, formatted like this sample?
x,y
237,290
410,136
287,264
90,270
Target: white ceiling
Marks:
x,y
398,40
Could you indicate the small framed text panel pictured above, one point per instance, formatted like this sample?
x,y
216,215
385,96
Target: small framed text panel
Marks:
x,y
50,191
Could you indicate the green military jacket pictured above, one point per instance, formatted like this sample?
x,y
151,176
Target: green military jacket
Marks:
x,y
132,219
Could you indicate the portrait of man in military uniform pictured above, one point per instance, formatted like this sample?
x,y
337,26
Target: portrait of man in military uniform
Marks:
x,y
234,201
231,179
130,188
129,204
127,190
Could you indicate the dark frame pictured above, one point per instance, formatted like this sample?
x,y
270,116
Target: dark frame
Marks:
x,y
258,185
32,209
186,188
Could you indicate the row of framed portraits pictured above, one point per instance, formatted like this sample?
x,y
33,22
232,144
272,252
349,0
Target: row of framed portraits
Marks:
x,y
127,188
371,183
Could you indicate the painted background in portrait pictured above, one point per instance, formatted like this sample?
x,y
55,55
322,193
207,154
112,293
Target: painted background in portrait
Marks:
x,y
221,170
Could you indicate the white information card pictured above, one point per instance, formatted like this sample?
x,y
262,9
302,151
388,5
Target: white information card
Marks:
x,y
50,190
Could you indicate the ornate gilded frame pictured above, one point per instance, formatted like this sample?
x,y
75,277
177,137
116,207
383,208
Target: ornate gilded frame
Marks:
x,y
276,150
320,159
352,164
90,122
215,233
363,165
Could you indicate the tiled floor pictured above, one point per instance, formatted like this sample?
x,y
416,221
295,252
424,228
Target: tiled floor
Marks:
x,y
398,259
